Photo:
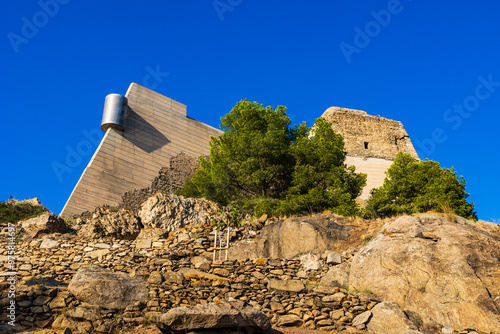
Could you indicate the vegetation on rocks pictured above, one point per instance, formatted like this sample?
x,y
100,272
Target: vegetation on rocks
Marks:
x,y
12,212
413,186
262,164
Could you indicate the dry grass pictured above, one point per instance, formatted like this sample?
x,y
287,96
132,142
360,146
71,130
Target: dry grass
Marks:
x,y
447,210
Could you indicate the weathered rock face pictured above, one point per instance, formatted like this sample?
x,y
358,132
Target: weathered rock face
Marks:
x,y
337,276
105,222
287,239
389,318
444,271
45,224
170,213
213,316
176,274
102,287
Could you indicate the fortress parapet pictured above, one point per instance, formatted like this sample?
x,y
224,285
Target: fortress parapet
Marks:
x,y
371,142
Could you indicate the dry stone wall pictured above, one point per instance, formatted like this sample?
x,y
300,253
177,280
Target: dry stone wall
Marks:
x,y
169,179
179,271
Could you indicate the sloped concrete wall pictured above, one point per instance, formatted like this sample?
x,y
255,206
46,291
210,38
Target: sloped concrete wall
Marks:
x,y
156,129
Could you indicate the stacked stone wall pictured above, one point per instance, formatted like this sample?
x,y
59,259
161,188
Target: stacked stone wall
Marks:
x,y
169,179
368,136
46,267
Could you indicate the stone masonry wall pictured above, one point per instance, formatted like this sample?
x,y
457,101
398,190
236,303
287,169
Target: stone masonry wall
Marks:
x,y
368,136
169,179
46,266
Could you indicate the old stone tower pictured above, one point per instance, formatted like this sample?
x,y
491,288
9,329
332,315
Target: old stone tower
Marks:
x,y
371,142
145,131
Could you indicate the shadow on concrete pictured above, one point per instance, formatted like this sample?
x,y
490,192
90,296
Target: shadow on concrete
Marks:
x,y
143,134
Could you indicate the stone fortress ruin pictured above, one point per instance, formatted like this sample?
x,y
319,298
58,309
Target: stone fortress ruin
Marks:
x,y
151,144
371,143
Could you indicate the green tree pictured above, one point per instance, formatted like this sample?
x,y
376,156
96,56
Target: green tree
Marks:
x,y
320,179
262,164
414,186
250,163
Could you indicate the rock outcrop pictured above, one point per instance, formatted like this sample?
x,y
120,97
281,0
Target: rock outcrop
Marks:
x,y
158,216
428,271
169,212
443,271
288,239
108,222
44,224
217,316
168,268
389,318
101,287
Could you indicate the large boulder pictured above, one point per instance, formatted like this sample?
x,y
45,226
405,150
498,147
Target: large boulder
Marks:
x,y
168,212
287,239
444,271
44,224
108,222
214,316
102,287
389,318
336,277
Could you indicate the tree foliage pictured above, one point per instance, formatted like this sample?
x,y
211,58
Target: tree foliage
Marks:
x,y
263,164
320,179
414,186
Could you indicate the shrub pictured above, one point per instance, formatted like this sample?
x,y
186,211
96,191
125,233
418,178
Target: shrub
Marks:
x,y
414,186
10,212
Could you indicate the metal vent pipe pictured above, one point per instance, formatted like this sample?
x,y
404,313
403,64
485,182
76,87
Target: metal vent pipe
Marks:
x,y
113,114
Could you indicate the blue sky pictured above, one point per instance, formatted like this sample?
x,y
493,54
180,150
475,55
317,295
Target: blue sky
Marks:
x,y
433,65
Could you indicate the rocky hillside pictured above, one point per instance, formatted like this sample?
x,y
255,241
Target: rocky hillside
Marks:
x,y
113,270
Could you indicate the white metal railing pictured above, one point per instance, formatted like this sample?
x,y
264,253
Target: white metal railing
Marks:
x,y
219,235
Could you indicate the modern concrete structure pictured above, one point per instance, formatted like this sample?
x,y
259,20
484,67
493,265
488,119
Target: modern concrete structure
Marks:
x,y
144,130
155,128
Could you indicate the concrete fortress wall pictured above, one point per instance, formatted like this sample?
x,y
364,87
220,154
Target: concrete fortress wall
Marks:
x,y
156,129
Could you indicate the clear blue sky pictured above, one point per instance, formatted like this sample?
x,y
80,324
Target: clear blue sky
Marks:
x,y
433,65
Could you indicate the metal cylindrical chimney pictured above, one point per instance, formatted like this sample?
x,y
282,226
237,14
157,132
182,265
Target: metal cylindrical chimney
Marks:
x,y
113,115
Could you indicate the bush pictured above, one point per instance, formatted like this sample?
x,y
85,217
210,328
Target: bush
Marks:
x,y
10,212
418,186
263,165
